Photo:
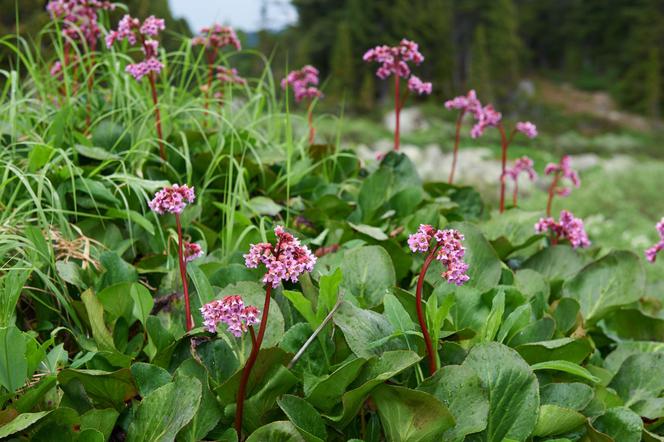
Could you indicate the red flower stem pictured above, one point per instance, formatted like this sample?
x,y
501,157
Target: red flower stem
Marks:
x,y
253,335
255,347
516,191
420,312
310,120
397,112
157,114
504,144
552,190
457,137
183,273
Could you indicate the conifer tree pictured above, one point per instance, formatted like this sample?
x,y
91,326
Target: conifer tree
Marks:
x,y
479,69
503,44
342,64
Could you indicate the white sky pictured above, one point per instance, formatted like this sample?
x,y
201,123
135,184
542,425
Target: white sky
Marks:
x,y
241,14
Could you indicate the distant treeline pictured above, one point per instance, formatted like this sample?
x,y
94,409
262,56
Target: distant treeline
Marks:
x,y
488,45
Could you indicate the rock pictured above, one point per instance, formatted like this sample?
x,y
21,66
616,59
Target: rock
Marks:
x,y
411,120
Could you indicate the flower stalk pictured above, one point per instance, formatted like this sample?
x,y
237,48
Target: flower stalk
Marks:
x,y
420,312
183,273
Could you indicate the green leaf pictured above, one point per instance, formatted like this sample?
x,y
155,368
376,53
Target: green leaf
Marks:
x,y
375,192
100,420
556,263
568,349
605,285
13,363
22,422
100,333
304,416
39,156
625,349
511,231
262,205
95,153
410,415
374,373
117,301
565,314
495,317
133,216
460,389
204,290
328,293
567,367
484,267
279,431
117,270
162,413
105,389
328,390
303,306
314,361
573,395
633,324
372,232
553,420
96,190
209,412
149,377
621,424
513,391
635,381
143,302
368,274
363,328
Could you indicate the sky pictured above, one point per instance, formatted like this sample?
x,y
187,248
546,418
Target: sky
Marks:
x,y
241,14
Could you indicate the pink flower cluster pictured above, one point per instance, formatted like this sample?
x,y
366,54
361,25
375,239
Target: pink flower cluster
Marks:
x,y
486,117
394,59
285,261
229,75
418,86
231,311
131,28
80,20
217,36
449,250
303,82
523,164
651,253
569,228
564,168
192,251
172,199
527,128
465,103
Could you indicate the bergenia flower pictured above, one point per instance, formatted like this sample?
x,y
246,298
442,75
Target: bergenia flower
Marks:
x,y
486,117
132,30
651,253
229,75
418,86
394,59
527,128
568,227
285,261
465,103
217,37
303,82
523,164
449,250
231,311
172,199
79,18
563,169
192,251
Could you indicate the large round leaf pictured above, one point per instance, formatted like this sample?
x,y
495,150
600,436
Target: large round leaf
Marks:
x,y
513,391
605,285
368,274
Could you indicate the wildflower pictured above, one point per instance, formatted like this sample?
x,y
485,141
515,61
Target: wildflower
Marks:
x,y
465,103
229,75
486,117
303,82
172,199
523,164
192,251
651,253
527,128
448,250
568,227
231,311
79,18
560,170
394,60
216,37
284,262
130,28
